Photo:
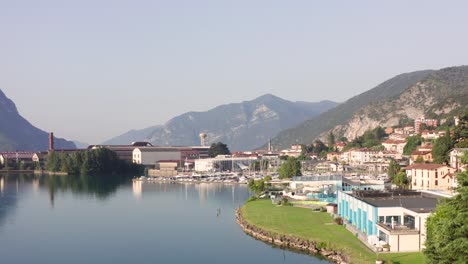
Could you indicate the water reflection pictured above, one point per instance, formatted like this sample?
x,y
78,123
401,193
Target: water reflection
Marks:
x,y
139,222
101,187
203,192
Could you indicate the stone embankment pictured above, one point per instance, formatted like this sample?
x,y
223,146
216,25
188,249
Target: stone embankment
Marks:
x,y
287,241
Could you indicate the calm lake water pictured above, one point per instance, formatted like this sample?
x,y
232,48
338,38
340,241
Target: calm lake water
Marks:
x,y
71,219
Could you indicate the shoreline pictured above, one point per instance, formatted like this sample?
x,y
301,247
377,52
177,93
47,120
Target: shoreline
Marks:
x,y
185,181
289,241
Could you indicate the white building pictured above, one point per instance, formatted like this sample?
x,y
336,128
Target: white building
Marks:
x,y
394,218
455,158
224,163
151,155
394,145
360,156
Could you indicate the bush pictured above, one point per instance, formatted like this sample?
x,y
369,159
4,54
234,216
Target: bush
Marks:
x,y
284,201
323,209
252,198
338,220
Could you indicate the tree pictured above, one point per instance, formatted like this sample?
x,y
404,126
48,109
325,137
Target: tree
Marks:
x,y
218,149
290,168
447,228
441,147
256,186
267,178
369,139
460,133
419,159
412,143
401,180
319,146
393,169
331,141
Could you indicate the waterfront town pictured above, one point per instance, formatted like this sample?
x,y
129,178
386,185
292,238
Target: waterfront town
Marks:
x,y
382,194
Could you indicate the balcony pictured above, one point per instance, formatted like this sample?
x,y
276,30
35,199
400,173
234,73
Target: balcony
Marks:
x,y
398,229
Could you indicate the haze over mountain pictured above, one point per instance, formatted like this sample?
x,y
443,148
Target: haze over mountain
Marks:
x,y
17,134
242,126
437,94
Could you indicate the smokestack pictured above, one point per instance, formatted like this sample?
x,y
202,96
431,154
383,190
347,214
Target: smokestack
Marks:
x,y
51,141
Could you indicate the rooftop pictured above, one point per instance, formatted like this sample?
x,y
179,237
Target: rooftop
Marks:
x,y
418,202
425,166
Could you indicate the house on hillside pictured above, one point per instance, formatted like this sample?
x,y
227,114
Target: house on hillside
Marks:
x,y
455,159
423,155
394,145
333,156
339,145
431,177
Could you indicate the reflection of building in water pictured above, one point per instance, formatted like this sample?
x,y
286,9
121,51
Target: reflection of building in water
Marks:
x,y
35,185
2,184
137,189
204,190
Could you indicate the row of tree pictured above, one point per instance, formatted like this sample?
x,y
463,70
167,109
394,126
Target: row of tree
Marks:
x,y
89,162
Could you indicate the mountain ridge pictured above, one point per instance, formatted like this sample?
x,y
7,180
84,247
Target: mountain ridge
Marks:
x,y
384,105
242,126
18,134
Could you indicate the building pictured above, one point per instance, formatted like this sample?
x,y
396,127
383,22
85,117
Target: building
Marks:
x,y
360,156
431,177
324,188
294,151
224,163
340,145
149,156
396,136
124,152
395,218
333,156
421,155
423,120
455,159
394,145
17,157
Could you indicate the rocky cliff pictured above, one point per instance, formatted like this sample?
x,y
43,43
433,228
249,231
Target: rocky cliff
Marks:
x,y
17,134
440,95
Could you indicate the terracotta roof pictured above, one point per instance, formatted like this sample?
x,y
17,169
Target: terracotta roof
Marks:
x,y
426,166
394,141
421,152
448,174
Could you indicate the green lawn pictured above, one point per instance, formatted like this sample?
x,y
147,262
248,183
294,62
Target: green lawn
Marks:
x,y
316,226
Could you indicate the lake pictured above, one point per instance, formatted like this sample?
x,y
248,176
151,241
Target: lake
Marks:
x,y
81,219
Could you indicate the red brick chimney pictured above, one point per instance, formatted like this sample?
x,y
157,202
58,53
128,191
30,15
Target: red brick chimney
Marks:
x,y
51,141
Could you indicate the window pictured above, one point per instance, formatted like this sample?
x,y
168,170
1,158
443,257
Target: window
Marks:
x,y
436,175
436,183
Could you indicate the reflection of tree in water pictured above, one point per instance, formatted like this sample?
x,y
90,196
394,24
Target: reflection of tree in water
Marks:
x,y
100,186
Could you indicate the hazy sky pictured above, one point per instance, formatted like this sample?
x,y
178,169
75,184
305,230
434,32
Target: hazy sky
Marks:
x,y
90,70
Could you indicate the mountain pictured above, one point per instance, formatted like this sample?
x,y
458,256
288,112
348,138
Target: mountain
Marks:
x,y
16,133
242,126
436,94
132,136
80,144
